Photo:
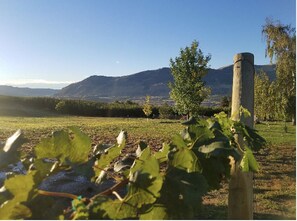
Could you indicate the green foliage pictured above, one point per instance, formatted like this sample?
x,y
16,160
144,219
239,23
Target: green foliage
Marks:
x,y
21,187
107,155
188,89
166,112
248,162
264,97
195,161
62,107
147,107
65,147
281,48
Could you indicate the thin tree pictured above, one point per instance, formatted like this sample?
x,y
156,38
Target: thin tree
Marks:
x,y
147,107
188,89
281,49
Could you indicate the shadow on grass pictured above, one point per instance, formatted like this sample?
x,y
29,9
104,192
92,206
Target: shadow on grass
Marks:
x,y
267,216
213,212
169,122
291,174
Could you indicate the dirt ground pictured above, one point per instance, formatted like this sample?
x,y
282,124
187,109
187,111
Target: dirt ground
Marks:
x,y
274,188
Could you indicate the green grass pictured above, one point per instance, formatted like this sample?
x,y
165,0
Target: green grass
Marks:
x,y
101,130
275,134
140,128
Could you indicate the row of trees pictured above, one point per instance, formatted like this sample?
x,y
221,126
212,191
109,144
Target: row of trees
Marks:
x,y
47,105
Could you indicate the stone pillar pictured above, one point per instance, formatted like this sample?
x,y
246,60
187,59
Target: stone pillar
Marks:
x,y
240,205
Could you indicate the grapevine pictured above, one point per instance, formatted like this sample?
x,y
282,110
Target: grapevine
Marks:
x,y
168,184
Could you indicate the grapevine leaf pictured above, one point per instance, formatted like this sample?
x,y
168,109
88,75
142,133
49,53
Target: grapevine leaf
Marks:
x,y
125,163
66,147
185,135
213,125
199,135
4,195
225,123
21,187
214,169
85,169
162,155
181,157
110,154
182,193
141,146
212,146
121,139
106,158
80,146
177,141
42,170
111,209
155,212
10,154
254,140
244,163
54,207
248,162
21,211
145,180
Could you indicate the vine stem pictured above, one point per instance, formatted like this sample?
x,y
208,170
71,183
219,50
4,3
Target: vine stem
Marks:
x,y
112,189
72,196
58,194
105,170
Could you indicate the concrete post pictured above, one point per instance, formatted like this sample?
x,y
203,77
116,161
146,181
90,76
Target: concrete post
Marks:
x,y
240,205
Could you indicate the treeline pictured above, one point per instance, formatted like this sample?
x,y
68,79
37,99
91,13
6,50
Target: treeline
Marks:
x,y
100,109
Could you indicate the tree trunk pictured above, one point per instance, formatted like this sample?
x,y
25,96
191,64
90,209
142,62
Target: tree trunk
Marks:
x,y
240,200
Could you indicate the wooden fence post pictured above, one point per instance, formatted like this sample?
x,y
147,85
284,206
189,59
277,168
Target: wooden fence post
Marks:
x,y
240,200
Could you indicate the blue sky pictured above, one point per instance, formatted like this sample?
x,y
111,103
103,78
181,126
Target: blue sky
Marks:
x,y
51,43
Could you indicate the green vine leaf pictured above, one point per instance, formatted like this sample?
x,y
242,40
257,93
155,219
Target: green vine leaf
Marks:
x,y
68,147
181,157
162,155
155,212
111,153
248,162
182,193
145,180
22,189
111,209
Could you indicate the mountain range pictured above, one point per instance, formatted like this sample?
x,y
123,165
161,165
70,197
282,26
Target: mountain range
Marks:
x,y
151,82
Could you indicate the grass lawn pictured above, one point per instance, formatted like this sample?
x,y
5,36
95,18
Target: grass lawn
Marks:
x,y
274,186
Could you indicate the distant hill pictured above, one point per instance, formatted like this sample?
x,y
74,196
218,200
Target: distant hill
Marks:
x,y
26,92
152,82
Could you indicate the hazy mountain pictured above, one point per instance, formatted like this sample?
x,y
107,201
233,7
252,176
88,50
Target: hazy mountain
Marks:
x,y
26,92
152,82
